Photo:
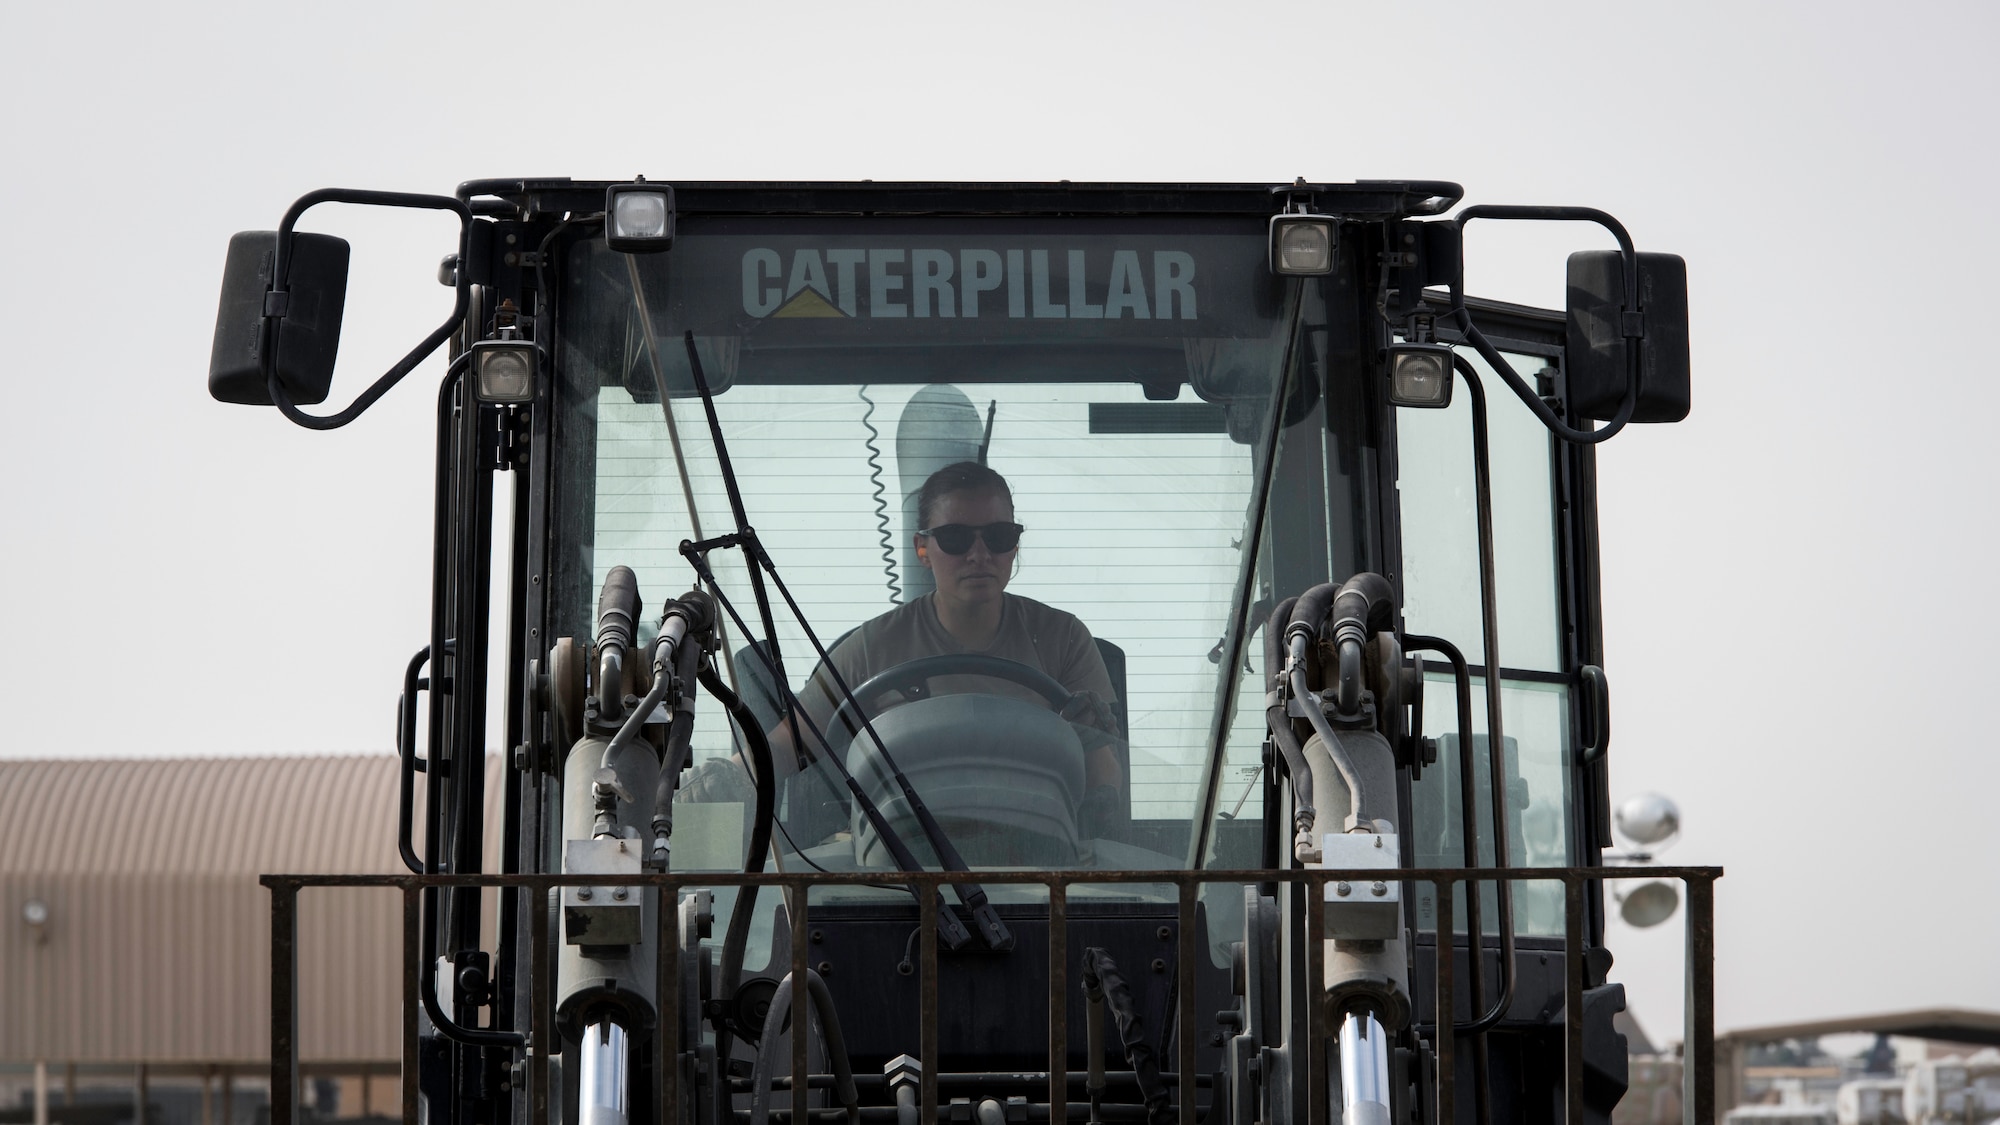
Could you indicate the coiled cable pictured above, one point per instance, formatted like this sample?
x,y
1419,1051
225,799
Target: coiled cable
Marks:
x,y
881,498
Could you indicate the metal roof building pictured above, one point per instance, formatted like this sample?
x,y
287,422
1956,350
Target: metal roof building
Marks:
x,y
1947,1025
135,931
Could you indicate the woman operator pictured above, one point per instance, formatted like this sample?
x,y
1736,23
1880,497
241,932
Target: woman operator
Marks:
x,y
968,540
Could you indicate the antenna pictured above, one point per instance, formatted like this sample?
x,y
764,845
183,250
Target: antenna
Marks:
x,y
986,439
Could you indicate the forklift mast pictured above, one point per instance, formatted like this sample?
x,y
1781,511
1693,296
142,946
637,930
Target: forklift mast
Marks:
x,y
1000,653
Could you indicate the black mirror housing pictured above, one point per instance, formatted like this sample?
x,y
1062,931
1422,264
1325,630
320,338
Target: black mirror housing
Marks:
x,y
1596,357
308,335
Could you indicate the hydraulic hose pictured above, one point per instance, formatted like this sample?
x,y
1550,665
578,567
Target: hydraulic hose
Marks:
x,y
1102,981
1309,612
759,745
687,665
737,937
1280,724
617,615
605,790
691,615
1301,633
628,733
817,999
1329,738
1363,606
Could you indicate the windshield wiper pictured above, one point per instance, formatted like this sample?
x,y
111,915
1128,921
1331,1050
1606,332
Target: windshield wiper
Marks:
x,y
951,931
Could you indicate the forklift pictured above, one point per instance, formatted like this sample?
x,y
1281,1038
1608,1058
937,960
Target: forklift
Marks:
x,y
1276,792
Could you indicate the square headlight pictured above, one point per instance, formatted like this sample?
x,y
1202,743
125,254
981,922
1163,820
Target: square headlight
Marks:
x,y
503,371
639,217
1420,375
1302,245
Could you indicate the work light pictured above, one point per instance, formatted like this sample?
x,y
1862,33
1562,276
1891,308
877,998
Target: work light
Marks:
x,y
503,370
639,217
1650,905
1301,245
1420,375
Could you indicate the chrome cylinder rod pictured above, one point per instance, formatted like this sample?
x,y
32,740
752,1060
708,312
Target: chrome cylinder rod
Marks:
x,y
1364,1071
601,1082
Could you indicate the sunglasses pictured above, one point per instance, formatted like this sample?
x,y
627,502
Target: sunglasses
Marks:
x,y
956,538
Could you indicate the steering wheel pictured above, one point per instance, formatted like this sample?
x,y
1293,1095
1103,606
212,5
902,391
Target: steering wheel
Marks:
x,y
910,680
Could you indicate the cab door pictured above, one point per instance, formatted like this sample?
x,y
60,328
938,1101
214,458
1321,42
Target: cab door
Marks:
x,y
1544,602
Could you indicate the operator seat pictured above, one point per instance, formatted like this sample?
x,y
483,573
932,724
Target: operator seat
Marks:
x,y
1114,665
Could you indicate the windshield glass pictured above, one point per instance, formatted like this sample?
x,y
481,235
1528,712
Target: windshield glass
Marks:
x,y
1091,403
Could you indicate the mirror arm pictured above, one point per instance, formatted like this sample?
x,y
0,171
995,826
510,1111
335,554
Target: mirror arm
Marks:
x,y
1633,326
276,300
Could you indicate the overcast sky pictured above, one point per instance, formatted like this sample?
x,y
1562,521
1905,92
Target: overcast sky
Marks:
x,y
1797,587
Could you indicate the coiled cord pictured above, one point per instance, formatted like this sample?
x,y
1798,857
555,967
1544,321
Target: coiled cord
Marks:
x,y
881,498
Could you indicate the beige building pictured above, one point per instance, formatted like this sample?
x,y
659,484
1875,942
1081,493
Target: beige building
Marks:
x,y
134,945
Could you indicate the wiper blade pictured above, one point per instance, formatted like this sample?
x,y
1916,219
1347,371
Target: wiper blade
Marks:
x,y
952,932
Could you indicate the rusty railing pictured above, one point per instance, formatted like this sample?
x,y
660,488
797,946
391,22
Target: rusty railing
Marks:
x,y
1698,1100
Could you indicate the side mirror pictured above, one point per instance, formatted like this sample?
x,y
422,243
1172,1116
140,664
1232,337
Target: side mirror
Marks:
x,y
1596,358
308,335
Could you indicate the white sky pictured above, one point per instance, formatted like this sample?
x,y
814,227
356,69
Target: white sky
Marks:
x,y
1795,578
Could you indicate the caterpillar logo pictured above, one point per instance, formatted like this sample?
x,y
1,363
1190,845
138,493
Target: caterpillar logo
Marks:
x,y
1018,284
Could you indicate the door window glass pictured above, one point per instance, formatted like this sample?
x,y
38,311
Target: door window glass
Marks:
x,y
1440,529
1536,802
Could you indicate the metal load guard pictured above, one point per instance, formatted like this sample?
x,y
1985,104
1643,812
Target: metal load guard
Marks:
x,y
1152,678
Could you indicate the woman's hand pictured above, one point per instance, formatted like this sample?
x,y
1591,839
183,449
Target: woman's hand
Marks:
x,y
1089,709
1103,742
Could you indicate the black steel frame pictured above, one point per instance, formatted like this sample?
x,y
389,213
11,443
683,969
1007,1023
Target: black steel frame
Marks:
x,y
458,641
1362,199
1698,1102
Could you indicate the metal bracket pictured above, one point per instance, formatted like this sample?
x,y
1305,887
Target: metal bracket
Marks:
x,y
601,915
1362,911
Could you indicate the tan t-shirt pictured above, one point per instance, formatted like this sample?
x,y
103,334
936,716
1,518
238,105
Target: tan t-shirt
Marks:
x,y
1031,633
